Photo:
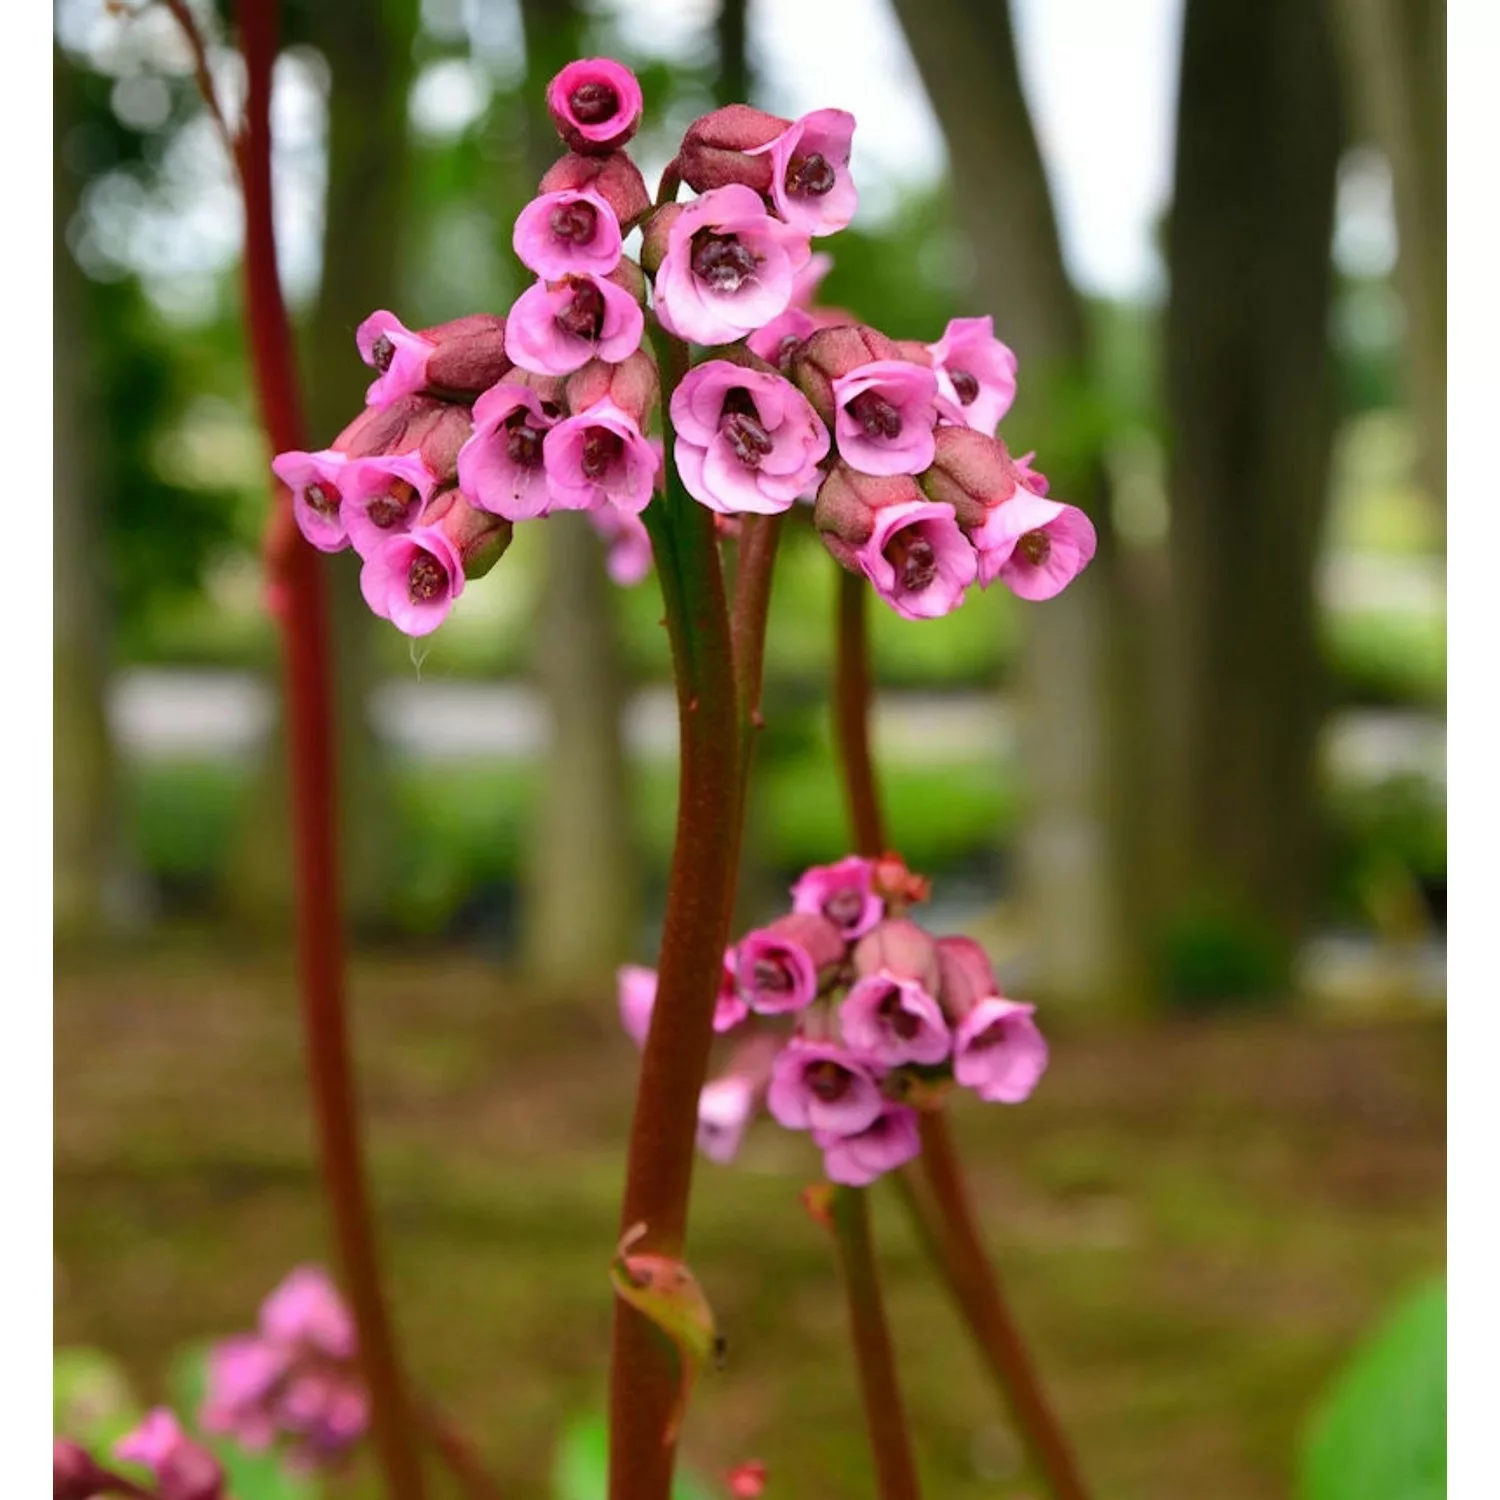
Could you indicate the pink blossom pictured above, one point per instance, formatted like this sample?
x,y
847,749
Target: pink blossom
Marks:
x,y
810,182
313,479
820,1086
893,1021
1035,547
888,1142
413,579
399,355
729,267
500,466
383,496
998,1051
781,967
596,104
729,1006
918,559
183,1469
244,1372
844,893
725,1107
560,233
976,373
778,340
637,989
557,327
807,281
599,457
883,417
1034,481
628,558
747,441
306,1310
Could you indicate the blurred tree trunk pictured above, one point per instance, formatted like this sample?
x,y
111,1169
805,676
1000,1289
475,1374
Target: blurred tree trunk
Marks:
x,y
90,878
1081,719
1394,54
370,66
1249,393
581,877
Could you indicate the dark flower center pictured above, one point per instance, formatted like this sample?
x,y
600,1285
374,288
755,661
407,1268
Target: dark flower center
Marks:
x,y
322,498
390,509
828,1080
426,578
383,351
773,974
740,423
810,176
583,314
965,386
897,1017
843,908
1035,547
601,448
877,416
523,442
593,103
721,261
914,558
785,352
574,221
991,1036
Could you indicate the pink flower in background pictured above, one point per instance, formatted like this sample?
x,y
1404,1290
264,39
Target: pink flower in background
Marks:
x,y
807,281
570,231
413,579
780,967
725,1107
396,353
599,457
729,1006
183,1469
820,1086
1035,547
893,1021
313,479
500,466
844,893
747,441
729,267
810,182
383,497
884,415
918,559
628,559
856,1160
557,327
998,1051
637,993
976,373
307,1311
776,342
596,104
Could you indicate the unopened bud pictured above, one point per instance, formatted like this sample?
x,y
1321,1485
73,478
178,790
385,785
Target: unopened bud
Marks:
x,y
469,356
446,434
629,276
75,1475
480,538
901,949
966,976
379,430
631,385
614,177
847,502
714,149
898,886
595,104
654,236
828,354
970,471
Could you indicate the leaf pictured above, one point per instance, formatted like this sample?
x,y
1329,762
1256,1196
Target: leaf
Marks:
x,y
580,1467
1380,1432
92,1401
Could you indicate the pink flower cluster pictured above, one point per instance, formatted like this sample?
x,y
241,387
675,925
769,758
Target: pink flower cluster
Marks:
x,y
295,1377
847,1018
181,1469
474,425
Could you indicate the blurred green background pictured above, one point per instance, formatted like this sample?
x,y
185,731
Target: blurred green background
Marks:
x,y
1195,806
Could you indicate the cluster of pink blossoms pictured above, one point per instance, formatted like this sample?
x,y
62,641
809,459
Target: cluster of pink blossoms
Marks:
x,y
848,1017
476,424
180,1468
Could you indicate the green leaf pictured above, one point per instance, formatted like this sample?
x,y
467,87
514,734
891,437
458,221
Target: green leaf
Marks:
x,y
580,1467
1380,1432
92,1402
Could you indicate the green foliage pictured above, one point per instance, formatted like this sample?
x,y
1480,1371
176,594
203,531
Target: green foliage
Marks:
x,y
1380,1433
92,1401
1214,953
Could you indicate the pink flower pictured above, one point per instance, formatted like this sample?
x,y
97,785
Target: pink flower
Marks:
x,y
725,1108
558,327
918,559
413,579
819,1086
183,1469
500,466
729,267
383,497
976,373
778,340
1036,482
1035,547
998,1051
599,457
560,233
888,1142
399,355
810,278
893,1021
747,441
244,1373
637,988
810,182
628,558
729,1006
884,415
844,893
306,1311
781,967
313,479
596,104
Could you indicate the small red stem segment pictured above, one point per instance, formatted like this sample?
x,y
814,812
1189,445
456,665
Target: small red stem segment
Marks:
x,y
885,1417
851,707
298,586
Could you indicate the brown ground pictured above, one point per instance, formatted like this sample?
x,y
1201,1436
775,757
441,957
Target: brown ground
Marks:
x,y
1194,1222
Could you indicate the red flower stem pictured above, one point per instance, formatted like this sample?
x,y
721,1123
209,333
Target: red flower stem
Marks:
x,y
644,1378
759,537
945,1223
885,1418
309,700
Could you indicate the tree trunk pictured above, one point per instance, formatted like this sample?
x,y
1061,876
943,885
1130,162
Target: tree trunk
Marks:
x,y
1249,396
1081,719
581,876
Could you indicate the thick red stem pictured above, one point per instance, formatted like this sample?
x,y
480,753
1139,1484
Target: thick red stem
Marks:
x,y
851,708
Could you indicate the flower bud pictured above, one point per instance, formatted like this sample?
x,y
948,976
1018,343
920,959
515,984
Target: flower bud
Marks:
x,y
448,431
654,237
828,354
596,105
900,949
714,149
629,277
478,536
613,176
847,502
967,976
970,471
379,430
469,355
631,385
898,886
